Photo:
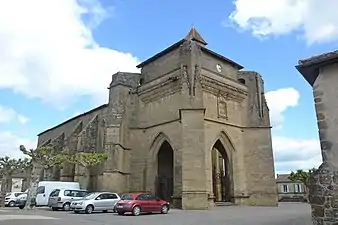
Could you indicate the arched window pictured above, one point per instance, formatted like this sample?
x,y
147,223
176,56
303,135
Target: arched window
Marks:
x,y
241,80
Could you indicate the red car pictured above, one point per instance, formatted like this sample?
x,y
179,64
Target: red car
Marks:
x,y
138,203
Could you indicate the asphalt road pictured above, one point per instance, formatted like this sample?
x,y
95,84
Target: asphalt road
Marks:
x,y
285,214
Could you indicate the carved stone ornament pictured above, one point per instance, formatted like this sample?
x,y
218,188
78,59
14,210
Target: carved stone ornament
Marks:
x,y
222,107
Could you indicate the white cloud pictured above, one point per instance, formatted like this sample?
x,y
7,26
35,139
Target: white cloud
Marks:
x,y
316,20
280,100
9,115
290,154
48,52
9,144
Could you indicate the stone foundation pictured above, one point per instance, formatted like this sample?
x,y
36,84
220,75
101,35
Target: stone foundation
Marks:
x,y
323,192
195,200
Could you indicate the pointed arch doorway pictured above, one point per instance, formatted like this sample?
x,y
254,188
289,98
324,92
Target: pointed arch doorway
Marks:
x,y
164,182
221,173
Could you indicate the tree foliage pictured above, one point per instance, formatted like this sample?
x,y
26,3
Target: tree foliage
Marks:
x,y
9,165
301,176
88,160
45,156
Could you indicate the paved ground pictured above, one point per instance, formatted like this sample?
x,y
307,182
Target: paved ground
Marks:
x,y
285,214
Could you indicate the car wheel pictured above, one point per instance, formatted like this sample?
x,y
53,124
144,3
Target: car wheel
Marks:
x,y
120,213
21,207
164,209
66,206
55,209
76,212
11,204
89,209
136,210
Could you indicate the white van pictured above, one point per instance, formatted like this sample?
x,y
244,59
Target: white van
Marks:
x,y
46,187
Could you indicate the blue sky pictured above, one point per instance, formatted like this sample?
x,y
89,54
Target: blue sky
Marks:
x,y
57,58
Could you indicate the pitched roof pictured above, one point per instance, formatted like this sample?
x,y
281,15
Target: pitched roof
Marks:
x,y
283,178
309,67
195,36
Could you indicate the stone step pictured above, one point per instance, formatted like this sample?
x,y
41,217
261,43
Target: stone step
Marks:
x,y
224,204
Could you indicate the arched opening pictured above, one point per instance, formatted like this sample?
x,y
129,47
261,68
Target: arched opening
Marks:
x,y
164,184
241,80
221,173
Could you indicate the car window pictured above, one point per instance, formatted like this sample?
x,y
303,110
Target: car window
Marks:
x,y
126,197
90,196
111,196
17,194
55,193
40,190
80,193
142,197
101,196
67,193
150,197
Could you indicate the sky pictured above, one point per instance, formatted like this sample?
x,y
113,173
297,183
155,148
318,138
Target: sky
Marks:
x,y
57,58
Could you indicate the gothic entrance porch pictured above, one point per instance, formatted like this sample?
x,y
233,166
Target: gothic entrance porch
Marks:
x,y
221,173
164,182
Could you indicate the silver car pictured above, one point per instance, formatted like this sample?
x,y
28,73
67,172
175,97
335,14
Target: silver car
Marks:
x,y
98,201
62,198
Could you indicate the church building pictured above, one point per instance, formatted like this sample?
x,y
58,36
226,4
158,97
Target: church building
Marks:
x,y
192,127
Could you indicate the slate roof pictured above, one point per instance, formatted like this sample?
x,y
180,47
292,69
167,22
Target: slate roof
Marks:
x,y
309,67
283,178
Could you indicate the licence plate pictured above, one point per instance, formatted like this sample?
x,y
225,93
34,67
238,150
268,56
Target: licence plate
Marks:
x,y
120,206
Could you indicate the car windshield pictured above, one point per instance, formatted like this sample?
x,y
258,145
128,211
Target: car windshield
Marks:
x,y
90,196
126,197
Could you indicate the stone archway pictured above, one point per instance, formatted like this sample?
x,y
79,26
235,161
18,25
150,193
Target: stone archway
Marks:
x,y
164,181
222,183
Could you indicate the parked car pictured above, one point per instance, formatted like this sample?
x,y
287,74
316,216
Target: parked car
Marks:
x,y
46,187
62,198
138,203
97,201
11,198
21,201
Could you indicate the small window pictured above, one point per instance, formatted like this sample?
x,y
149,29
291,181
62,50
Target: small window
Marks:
x,y
40,190
298,188
285,188
17,194
141,81
241,80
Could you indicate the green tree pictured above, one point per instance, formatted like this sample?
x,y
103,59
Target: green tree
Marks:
x,y
3,187
9,166
88,161
27,168
42,158
303,177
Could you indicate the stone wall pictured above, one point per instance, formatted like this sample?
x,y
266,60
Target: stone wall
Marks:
x,y
161,66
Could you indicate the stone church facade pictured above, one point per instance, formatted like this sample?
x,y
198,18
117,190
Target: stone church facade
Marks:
x,y
192,127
